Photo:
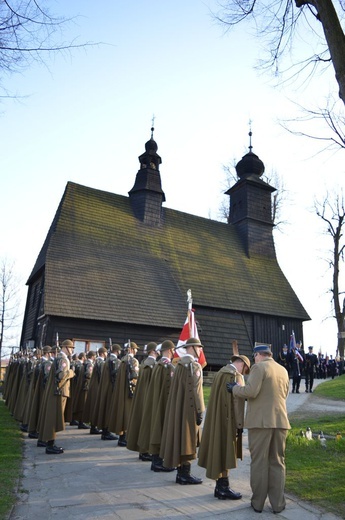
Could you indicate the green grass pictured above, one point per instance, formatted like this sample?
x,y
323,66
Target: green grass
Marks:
x,y
314,473
11,450
207,390
332,388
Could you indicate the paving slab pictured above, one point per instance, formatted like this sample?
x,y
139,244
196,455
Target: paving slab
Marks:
x,y
95,479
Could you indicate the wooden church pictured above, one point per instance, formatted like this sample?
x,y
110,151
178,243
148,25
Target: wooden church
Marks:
x,y
114,268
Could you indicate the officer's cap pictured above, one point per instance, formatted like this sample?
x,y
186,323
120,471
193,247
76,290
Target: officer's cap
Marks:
x,y
260,349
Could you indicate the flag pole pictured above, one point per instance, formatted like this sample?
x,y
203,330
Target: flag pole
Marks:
x,y
189,311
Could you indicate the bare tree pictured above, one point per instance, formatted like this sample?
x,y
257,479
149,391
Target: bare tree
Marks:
x,y
9,302
328,125
291,23
29,32
332,211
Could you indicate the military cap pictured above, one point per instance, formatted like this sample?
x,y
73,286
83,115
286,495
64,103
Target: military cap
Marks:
x,y
152,346
310,348
116,347
242,358
131,344
67,343
47,349
102,350
192,342
260,349
167,345
91,353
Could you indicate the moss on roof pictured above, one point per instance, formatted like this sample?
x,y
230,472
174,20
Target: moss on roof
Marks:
x,y
102,263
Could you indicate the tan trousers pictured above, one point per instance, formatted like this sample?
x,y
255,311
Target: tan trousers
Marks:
x,y
267,467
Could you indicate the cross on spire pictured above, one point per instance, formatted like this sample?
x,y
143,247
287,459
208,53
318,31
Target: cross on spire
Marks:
x,y
153,123
250,135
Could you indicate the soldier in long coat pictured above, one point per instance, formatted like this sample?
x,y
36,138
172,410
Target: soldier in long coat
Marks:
x,y
221,445
137,408
83,389
56,394
31,375
151,428
41,373
106,386
125,384
90,411
75,365
185,407
13,387
23,390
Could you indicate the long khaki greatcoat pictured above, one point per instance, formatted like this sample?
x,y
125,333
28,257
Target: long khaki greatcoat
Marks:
x,y
53,405
218,449
90,412
151,428
43,372
105,391
18,366
181,435
23,390
121,403
137,408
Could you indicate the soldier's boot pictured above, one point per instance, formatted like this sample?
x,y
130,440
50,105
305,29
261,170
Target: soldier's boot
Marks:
x,y
83,426
157,464
223,491
122,440
108,436
94,430
184,475
145,457
52,449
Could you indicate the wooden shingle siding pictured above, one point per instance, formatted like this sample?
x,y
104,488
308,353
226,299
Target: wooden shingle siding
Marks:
x,y
120,267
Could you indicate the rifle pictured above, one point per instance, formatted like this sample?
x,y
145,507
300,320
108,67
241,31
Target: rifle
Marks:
x,y
129,373
239,432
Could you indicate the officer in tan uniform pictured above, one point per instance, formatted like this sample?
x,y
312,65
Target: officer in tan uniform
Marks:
x,y
266,391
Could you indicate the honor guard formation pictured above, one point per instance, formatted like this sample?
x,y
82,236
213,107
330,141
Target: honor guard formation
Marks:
x,y
156,407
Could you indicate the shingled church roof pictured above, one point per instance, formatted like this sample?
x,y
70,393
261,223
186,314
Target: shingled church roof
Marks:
x,y
102,263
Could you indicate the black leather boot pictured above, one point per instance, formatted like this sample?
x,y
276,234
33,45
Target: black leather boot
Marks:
x,y
108,436
52,449
185,477
83,426
145,457
157,465
122,440
223,491
94,430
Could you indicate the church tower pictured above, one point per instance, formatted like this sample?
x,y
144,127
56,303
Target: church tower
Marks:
x,y
251,206
147,195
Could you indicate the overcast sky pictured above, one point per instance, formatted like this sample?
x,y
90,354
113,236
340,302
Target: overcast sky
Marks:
x,y
85,117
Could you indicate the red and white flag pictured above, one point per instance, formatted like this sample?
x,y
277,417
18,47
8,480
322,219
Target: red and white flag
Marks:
x,y
189,330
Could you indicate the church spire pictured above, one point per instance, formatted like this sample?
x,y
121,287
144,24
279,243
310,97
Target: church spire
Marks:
x,y
251,205
147,195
